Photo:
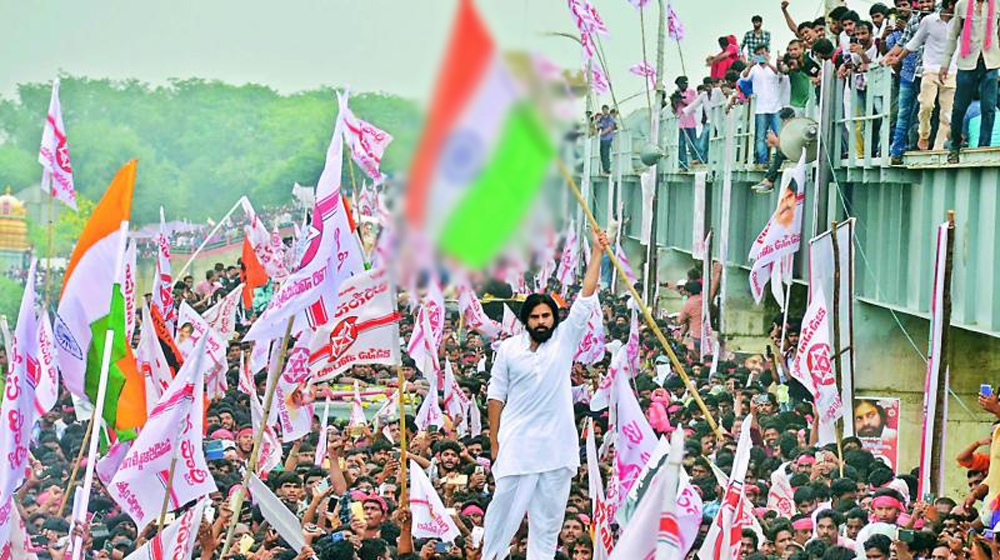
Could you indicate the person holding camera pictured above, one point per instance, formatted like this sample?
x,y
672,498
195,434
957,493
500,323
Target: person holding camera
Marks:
x,y
686,122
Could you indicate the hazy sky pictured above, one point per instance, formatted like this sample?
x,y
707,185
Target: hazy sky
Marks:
x,y
389,45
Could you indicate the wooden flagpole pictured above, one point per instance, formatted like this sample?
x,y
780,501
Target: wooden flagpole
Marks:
x,y
255,453
837,362
76,466
48,261
403,458
166,494
675,363
941,390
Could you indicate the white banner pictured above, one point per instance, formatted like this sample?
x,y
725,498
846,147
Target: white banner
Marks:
x,y
221,317
367,143
821,273
705,344
569,259
57,177
332,255
293,409
215,344
141,482
364,330
177,540
592,348
276,513
430,519
698,214
634,438
19,409
128,290
268,247
725,534
932,380
783,233
472,312
151,362
163,281
813,363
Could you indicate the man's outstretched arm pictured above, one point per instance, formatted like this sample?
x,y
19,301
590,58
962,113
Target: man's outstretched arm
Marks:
x,y
590,279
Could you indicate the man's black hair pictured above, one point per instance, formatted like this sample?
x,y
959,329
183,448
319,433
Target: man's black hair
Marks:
x,y
880,542
834,516
837,14
755,19
533,301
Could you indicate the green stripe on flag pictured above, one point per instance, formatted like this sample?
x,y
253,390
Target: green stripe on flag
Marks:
x,y
114,320
499,198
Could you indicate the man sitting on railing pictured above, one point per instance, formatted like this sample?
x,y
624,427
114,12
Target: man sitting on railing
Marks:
x,y
778,159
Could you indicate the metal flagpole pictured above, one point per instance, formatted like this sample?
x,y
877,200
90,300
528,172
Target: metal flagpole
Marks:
x,y
209,236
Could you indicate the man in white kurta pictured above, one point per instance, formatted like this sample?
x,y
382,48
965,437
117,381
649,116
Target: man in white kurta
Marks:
x,y
536,446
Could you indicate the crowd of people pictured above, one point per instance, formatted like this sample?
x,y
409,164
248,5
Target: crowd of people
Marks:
x,y
943,58
343,482
849,505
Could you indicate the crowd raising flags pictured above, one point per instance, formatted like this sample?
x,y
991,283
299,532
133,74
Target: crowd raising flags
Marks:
x,y
334,313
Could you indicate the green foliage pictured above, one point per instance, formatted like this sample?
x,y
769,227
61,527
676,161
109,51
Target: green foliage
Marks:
x,y
65,231
200,144
10,298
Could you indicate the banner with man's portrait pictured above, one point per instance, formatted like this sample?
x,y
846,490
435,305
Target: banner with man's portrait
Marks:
x,y
876,424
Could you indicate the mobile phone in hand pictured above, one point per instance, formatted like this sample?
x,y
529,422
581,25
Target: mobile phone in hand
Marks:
x,y
986,390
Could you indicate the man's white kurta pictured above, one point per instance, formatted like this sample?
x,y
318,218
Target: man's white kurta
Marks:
x,y
537,429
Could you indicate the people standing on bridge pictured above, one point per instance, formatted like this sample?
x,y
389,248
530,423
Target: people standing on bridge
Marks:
x,y
686,122
720,63
533,435
606,125
767,93
932,37
756,37
974,35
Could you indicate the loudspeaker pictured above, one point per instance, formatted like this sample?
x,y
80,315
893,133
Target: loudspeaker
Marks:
x,y
650,155
799,134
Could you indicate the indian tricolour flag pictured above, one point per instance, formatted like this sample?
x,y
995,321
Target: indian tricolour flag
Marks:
x,y
92,303
483,154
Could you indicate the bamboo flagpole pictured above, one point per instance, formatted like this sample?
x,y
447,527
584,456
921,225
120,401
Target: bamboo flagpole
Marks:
x,y
837,362
932,475
403,458
76,466
675,363
49,249
255,453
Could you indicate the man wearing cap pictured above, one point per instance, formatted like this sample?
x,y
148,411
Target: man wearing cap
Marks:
x,y
533,436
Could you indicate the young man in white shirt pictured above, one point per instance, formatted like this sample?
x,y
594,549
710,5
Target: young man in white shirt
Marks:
x,y
533,435
767,94
932,35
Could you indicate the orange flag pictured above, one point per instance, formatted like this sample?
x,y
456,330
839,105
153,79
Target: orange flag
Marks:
x,y
253,273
